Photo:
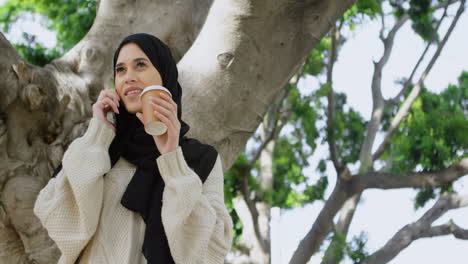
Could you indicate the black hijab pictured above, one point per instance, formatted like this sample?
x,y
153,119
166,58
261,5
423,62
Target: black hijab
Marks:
x,y
144,192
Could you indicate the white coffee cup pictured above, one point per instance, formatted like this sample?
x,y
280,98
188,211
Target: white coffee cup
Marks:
x,y
153,125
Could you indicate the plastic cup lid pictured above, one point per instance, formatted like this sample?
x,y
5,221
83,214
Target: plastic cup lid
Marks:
x,y
155,87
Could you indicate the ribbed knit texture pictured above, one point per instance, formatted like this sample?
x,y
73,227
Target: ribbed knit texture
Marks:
x,y
82,213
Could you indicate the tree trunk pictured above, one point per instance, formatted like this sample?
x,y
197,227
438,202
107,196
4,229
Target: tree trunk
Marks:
x,y
234,60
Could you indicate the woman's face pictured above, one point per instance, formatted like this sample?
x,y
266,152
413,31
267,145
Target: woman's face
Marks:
x,y
133,72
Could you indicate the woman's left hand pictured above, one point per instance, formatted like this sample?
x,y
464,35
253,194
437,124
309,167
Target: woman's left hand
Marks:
x,y
165,109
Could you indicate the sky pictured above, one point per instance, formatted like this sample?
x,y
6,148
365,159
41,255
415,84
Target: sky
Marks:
x,y
380,213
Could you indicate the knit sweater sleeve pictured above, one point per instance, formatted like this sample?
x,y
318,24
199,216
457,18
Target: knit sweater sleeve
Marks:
x,y
195,218
69,205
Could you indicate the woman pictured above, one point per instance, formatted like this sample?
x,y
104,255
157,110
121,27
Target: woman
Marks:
x,y
123,196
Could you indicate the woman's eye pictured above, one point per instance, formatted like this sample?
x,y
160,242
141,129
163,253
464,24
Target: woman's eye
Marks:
x,y
119,69
141,64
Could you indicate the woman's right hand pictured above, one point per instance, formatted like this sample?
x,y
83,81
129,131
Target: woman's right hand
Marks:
x,y
107,100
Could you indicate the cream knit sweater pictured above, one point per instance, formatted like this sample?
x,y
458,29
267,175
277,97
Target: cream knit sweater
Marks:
x,y
82,213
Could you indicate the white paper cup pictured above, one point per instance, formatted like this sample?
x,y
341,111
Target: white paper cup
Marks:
x,y
153,125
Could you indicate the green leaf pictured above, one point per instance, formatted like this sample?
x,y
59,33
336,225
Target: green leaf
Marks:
x,y
71,20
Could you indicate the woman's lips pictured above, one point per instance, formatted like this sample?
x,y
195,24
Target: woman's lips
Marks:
x,y
133,95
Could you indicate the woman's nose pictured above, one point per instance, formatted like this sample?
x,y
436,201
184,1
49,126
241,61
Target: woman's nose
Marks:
x,y
130,77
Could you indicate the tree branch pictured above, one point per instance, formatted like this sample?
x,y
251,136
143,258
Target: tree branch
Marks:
x,y
323,225
274,128
335,35
345,189
423,228
359,183
365,157
407,83
384,180
388,47
444,204
382,29
404,109
253,211
446,229
377,98
9,57
235,64
275,125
